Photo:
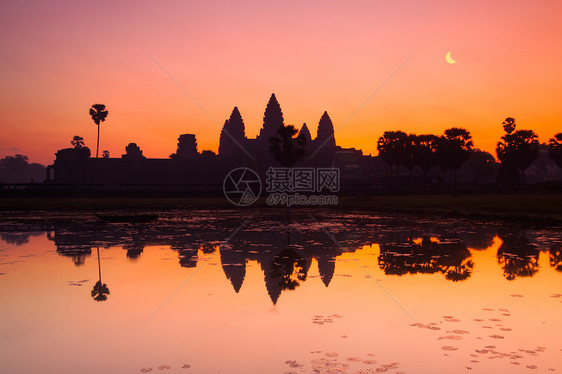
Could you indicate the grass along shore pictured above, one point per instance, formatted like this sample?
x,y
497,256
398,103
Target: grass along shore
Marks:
x,y
537,209
534,208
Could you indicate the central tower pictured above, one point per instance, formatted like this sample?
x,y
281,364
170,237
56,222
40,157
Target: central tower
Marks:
x,y
272,120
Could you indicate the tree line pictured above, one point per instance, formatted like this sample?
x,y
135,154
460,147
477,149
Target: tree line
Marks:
x,y
18,169
516,150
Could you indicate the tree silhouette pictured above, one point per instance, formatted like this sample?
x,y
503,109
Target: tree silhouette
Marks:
x,y
517,256
286,148
419,150
518,149
425,151
459,272
555,258
105,154
509,125
409,160
100,290
99,114
555,149
454,149
18,169
482,166
77,142
15,162
391,147
450,258
289,269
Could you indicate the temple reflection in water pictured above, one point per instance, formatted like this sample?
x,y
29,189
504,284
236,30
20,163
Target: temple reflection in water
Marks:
x,y
285,247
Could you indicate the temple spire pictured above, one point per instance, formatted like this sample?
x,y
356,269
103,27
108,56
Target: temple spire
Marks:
x,y
233,132
305,132
272,120
326,268
325,134
236,122
234,267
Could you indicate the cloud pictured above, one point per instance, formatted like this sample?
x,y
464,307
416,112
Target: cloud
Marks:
x,y
10,150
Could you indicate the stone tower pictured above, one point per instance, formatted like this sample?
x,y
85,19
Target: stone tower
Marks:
x,y
187,147
325,134
272,120
233,134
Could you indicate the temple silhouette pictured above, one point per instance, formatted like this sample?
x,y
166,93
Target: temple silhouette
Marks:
x,y
406,163
189,169
235,145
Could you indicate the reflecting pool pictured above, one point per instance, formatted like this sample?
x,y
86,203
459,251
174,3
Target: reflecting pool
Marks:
x,y
278,291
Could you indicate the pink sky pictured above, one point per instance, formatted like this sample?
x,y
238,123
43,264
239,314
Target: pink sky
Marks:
x,y
59,58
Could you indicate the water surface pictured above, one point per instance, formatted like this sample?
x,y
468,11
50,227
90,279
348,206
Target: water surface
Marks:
x,y
279,292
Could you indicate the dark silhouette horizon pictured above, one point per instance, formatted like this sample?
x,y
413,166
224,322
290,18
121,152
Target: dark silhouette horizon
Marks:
x,y
406,162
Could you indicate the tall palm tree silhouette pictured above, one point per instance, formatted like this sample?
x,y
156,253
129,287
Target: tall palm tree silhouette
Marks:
x,y
100,290
98,113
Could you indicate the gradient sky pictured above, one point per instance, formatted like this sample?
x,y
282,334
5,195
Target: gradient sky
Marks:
x,y
58,58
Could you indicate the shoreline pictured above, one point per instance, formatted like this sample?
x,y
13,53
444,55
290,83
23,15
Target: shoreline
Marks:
x,y
526,209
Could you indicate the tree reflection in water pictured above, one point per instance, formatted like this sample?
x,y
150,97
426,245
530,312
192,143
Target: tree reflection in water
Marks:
x,y
517,256
100,290
284,245
18,238
556,257
289,268
133,251
450,258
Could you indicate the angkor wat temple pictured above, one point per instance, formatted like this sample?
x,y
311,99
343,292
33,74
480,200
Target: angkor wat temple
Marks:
x,y
188,168
235,145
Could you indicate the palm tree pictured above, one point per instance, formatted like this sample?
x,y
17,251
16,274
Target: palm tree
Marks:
x,y
285,147
100,290
509,125
98,113
518,149
77,141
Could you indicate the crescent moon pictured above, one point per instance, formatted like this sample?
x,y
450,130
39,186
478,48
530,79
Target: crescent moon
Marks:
x,y
448,58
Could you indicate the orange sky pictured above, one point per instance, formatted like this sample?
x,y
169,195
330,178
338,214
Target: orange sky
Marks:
x,y
58,58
